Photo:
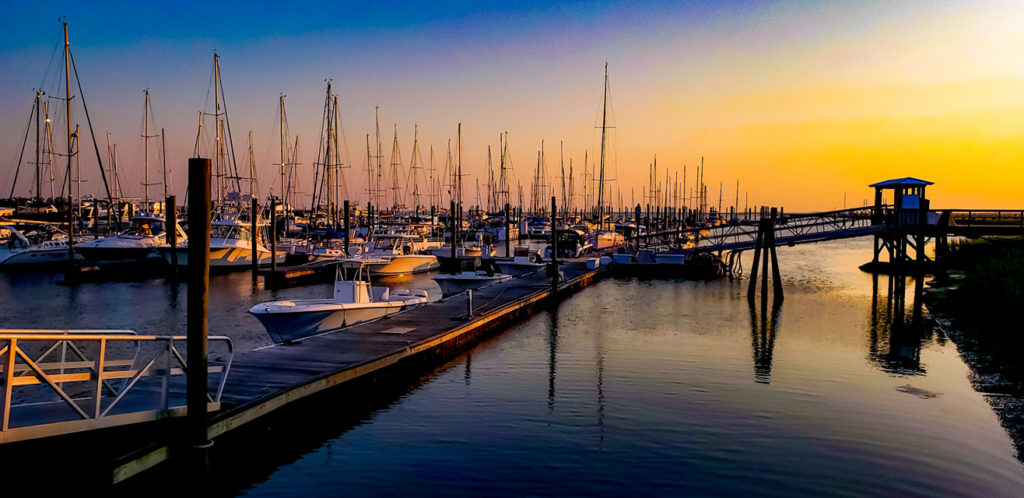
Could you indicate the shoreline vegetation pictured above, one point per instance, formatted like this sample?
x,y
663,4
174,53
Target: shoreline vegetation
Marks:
x,y
976,302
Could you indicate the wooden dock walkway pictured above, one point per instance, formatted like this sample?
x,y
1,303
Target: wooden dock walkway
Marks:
x,y
264,380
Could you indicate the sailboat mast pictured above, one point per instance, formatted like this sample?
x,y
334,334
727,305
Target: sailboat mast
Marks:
x,y
380,154
145,135
163,153
39,155
604,128
284,145
216,123
67,116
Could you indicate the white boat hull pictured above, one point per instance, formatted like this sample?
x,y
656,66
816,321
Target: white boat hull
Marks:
x,y
227,257
402,265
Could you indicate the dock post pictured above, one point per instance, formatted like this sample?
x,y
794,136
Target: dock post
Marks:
x,y
347,228
452,217
273,233
752,285
255,242
508,231
554,247
171,226
777,295
469,303
198,299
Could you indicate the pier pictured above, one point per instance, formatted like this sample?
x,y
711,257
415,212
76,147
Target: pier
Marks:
x,y
264,380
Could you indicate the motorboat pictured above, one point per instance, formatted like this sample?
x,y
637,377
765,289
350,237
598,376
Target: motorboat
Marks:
x,y
146,235
521,265
396,254
16,249
355,301
571,244
468,280
231,247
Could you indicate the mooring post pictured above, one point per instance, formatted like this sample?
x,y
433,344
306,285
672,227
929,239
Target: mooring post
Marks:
x,y
255,241
508,231
554,246
348,227
171,226
198,298
766,240
469,303
759,241
776,275
273,233
452,217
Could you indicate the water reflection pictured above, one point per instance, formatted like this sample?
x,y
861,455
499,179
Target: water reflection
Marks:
x,y
762,338
897,333
552,355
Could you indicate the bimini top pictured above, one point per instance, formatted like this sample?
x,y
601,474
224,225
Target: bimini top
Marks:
x,y
908,181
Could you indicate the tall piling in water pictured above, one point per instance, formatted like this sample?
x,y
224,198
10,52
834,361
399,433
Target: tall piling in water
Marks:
x,y
554,246
347,228
508,231
198,299
171,226
273,234
255,241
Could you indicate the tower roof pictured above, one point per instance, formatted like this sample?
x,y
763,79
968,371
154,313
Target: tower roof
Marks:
x,y
907,181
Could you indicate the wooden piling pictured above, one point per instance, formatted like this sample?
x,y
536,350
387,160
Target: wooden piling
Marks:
x,y
554,246
453,223
198,299
777,294
255,242
273,233
508,231
171,227
348,227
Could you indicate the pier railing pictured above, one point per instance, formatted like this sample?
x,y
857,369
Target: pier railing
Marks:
x,y
62,381
790,229
986,217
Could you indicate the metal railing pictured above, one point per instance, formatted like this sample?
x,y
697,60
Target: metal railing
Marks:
x,y
92,372
986,217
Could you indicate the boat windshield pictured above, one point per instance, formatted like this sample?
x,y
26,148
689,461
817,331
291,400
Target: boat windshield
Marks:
x,y
11,240
229,232
146,227
385,243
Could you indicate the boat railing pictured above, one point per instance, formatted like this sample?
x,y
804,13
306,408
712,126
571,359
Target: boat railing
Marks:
x,y
61,381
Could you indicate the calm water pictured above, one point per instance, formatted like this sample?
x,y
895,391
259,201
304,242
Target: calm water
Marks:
x,y
638,387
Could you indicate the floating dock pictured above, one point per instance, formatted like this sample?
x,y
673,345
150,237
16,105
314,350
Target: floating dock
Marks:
x,y
267,379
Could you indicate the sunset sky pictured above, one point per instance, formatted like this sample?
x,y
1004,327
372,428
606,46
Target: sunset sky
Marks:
x,y
802,102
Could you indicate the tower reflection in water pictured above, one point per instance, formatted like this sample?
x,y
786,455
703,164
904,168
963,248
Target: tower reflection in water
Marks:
x,y
897,330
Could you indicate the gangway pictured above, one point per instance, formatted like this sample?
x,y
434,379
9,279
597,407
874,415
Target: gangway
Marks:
x,y
56,382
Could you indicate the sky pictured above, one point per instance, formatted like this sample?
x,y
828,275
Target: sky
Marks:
x,y
803,103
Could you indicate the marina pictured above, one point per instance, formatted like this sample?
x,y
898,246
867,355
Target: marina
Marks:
x,y
494,304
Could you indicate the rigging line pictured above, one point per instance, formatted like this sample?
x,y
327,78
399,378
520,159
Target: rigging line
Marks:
x,y
92,133
53,55
319,147
231,141
21,155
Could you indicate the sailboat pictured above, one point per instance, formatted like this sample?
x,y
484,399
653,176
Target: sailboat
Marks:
x,y
233,245
143,238
602,238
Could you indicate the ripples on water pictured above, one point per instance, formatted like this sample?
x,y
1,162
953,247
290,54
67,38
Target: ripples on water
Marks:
x,y
633,387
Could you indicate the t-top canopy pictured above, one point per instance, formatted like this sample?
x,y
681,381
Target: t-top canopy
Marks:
x,y
908,181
